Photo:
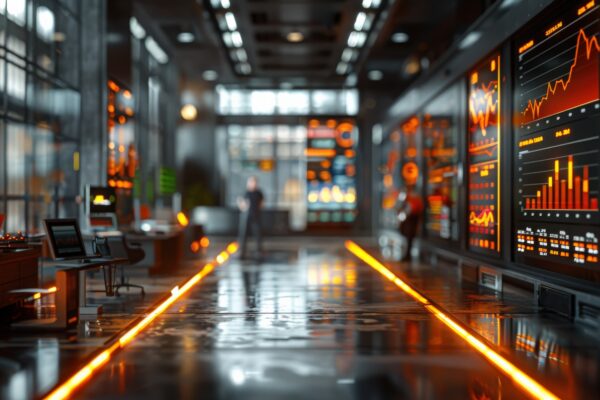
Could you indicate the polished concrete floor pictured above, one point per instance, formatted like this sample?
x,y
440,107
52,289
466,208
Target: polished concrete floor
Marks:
x,y
312,322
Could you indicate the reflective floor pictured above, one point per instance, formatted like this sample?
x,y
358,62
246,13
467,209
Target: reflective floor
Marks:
x,y
312,322
315,323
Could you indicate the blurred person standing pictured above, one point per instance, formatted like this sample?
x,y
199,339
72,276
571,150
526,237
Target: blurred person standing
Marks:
x,y
409,216
250,206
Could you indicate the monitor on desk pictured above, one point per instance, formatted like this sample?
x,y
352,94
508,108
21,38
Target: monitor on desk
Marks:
x,y
101,200
65,239
101,208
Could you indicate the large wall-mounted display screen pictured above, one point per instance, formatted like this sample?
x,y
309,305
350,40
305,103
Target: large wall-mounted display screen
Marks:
x,y
409,168
440,132
331,172
557,141
483,156
389,170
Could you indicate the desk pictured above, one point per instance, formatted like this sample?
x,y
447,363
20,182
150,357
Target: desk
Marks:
x,y
70,294
164,252
108,266
18,270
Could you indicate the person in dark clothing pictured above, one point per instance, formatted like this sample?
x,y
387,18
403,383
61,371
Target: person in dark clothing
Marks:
x,y
250,206
409,215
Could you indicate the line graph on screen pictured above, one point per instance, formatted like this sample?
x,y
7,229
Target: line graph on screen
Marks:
x,y
579,87
483,105
484,218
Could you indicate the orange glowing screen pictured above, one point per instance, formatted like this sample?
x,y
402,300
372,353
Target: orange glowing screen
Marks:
x,y
67,388
520,378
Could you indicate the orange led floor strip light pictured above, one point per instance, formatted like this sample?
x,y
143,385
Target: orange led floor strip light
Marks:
x,y
70,385
524,381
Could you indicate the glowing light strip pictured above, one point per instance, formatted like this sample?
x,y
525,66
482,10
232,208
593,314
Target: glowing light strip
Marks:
x,y
524,381
67,388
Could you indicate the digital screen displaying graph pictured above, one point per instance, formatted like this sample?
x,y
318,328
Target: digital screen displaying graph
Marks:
x,y
557,174
557,70
483,155
440,132
557,140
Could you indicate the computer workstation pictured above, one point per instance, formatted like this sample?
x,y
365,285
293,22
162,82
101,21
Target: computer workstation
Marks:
x,y
69,253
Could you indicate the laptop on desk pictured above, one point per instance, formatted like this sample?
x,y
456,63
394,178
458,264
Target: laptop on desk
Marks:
x,y
66,243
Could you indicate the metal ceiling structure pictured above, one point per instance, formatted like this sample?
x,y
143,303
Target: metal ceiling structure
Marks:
x,y
301,43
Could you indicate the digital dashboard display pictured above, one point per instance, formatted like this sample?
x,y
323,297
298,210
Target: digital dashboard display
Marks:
x,y
557,141
409,168
390,179
331,172
440,133
483,156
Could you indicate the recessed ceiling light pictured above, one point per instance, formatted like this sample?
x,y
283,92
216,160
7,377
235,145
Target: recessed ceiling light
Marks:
x,y
375,75
371,3
341,68
236,39
189,112
469,40
230,21
220,3
295,37
349,55
244,68
359,23
210,75
357,39
240,55
400,37
186,37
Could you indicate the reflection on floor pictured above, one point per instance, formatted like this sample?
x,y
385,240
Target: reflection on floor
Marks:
x,y
311,321
32,363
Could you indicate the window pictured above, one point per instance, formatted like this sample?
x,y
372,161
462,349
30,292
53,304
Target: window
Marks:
x,y
39,111
275,155
286,102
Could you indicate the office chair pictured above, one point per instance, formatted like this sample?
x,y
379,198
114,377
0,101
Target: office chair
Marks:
x,y
118,247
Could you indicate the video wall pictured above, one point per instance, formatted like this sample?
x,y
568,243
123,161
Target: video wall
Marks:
x,y
549,89
557,138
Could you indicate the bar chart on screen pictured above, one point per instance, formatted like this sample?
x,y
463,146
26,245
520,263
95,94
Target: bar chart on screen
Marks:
x,y
557,174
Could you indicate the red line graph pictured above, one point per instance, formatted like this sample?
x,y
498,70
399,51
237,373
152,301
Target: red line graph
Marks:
x,y
579,88
483,104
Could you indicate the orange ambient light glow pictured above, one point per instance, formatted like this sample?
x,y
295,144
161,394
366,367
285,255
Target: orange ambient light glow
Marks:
x,y
520,378
66,389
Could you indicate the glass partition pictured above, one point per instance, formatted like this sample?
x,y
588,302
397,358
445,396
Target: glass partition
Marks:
x,y
39,111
